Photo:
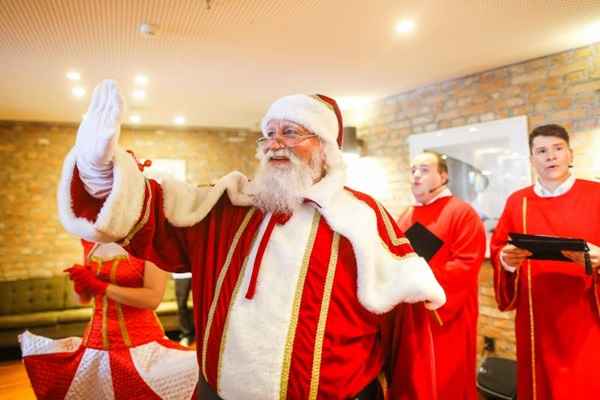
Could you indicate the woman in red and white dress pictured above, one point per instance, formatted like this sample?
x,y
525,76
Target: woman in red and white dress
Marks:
x,y
124,353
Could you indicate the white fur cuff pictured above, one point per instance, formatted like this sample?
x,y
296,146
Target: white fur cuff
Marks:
x,y
121,210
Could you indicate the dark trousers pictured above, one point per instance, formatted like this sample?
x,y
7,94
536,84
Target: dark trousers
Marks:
x,y
186,318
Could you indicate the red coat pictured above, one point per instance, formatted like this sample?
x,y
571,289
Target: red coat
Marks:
x,y
312,307
456,266
557,307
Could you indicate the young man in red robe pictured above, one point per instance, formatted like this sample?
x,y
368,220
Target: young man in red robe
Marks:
x,y
302,289
557,305
456,266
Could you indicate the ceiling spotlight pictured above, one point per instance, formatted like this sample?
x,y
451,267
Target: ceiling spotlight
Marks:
x,y
591,33
78,91
73,76
141,80
135,119
148,30
138,94
405,26
179,120
473,129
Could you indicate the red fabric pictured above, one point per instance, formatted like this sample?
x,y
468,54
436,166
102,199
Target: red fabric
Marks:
x,y
51,374
85,282
456,266
564,339
352,351
128,384
411,367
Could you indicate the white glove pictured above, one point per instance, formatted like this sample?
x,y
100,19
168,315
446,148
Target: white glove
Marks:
x,y
97,138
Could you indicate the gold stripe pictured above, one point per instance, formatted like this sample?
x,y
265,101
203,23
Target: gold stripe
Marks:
x,y
287,355
437,317
144,219
530,299
383,383
121,319
104,329
213,306
105,343
396,241
318,352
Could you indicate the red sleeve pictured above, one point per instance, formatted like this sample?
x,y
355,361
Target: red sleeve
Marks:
x,y
505,282
153,238
408,342
461,272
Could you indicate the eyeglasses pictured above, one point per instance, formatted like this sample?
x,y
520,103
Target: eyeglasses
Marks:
x,y
289,138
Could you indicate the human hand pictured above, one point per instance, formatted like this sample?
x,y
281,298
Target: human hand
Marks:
x,y
85,281
99,131
579,256
513,257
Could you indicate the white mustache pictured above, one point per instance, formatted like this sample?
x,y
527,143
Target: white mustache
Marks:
x,y
281,153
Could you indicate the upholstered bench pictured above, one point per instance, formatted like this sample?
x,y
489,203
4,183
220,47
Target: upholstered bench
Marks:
x,y
48,307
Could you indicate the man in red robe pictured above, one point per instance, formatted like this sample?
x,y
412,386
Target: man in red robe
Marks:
x,y
557,304
302,289
456,266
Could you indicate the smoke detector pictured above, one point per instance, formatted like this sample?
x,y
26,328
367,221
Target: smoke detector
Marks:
x,y
148,30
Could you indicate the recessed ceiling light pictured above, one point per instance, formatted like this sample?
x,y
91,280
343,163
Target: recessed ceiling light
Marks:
x,y
473,129
78,91
73,76
141,79
179,120
405,26
592,33
135,119
138,94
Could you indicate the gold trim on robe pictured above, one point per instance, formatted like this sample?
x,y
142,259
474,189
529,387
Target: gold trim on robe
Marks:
x,y
318,351
220,279
287,356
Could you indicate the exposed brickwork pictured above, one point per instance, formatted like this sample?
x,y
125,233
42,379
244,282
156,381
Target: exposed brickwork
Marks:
x,y
32,241
562,88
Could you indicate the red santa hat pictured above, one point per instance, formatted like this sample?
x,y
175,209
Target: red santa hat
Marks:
x,y
317,113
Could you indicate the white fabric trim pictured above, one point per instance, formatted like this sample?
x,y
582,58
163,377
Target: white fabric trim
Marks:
x,y
32,345
505,265
186,205
563,188
121,209
384,280
93,379
151,360
307,111
255,340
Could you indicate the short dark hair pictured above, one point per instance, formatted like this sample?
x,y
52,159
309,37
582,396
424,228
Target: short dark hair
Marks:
x,y
548,130
441,161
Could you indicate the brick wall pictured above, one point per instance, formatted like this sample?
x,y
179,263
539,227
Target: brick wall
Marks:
x,y
562,88
32,241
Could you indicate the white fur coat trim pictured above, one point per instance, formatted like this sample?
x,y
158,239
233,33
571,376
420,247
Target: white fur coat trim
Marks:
x,y
121,210
384,280
186,205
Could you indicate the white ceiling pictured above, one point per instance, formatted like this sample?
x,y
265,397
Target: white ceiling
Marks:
x,y
222,66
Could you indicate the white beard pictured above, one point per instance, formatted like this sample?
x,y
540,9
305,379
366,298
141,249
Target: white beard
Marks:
x,y
280,189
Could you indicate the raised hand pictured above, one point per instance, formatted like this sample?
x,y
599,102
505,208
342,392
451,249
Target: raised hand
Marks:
x,y
99,131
